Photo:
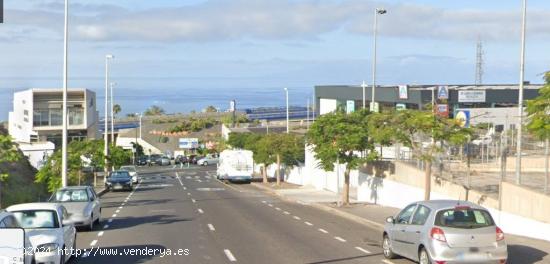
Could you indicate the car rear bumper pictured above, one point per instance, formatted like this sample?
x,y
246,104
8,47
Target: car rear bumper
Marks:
x,y
492,254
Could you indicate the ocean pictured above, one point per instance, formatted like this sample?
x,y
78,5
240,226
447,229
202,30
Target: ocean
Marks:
x,y
171,95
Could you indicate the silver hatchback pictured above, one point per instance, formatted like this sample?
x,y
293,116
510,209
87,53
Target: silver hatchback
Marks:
x,y
444,232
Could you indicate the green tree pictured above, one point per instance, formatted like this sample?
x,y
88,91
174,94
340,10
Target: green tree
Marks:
x,y
154,111
538,111
119,156
420,130
340,138
8,153
381,129
88,153
211,109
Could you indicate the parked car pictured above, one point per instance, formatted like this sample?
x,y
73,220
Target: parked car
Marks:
x,y
194,158
82,204
152,159
181,160
119,180
210,159
141,160
133,172
444,231
164,161
51,232
8,220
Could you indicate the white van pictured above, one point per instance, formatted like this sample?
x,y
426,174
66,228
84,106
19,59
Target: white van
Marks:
x,y
235,166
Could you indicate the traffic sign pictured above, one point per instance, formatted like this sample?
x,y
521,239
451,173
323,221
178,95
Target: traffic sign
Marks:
x,y
463,117
442,92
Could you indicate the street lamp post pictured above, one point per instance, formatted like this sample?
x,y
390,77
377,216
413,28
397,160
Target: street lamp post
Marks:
x,y
106,126
520,99
364,86
112,85
377,11
287,113
140,116
65,80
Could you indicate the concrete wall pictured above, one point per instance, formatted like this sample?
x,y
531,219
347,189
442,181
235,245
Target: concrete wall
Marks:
x,y
19,124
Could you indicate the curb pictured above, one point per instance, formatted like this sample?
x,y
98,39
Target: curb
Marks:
x,y
352,217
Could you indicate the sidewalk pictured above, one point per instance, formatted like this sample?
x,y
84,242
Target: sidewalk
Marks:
x,y
520,249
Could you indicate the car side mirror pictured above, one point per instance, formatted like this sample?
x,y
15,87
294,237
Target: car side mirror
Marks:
x,y
390,220
92,199
66,222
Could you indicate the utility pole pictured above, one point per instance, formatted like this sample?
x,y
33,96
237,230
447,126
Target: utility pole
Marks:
x,y
307,118
112,85
520,97
364,86
106,126
377,11
287,113
65,132
479,62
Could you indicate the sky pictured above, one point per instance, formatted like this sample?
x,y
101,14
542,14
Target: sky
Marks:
x,y
257,44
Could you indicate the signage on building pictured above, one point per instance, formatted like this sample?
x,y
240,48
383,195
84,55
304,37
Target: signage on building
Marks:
x,y
471,96
443,110
350,106
463,118
374,107
400,107
442,92
188,143
232,106
403,92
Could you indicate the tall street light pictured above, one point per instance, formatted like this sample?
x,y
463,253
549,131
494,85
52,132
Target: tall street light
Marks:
x,y
112,85
140,123
364,86
520,99
108,57
287,113
65,70
377,11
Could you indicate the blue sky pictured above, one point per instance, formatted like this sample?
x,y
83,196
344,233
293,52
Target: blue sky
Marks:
x,y
268,43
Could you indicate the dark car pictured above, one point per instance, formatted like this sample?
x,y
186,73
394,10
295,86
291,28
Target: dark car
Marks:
x,y
142,161
152,159
119,180
180,159
195,158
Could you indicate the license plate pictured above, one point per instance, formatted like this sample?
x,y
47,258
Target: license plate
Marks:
x,y
117,187
474,249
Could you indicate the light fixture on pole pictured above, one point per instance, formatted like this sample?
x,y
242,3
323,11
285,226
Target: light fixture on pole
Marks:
x,y
520,97
112,85
65,80
106,118
287,113
377,11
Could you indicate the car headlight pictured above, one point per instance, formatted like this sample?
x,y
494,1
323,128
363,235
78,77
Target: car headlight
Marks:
x,y
47,247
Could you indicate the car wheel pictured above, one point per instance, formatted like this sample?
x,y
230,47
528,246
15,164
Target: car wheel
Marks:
x,y
386,246
91,226
205,163
423,257
62,258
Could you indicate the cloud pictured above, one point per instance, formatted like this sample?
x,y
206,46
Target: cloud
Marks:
x,y
289,20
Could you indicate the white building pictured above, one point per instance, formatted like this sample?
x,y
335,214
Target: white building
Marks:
x,y
37,118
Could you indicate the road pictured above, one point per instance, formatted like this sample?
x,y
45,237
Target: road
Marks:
x,y
187,216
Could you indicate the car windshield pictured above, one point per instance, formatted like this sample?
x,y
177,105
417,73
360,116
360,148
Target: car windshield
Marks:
x,y
128,168
37,218
120,174
77,195
464,218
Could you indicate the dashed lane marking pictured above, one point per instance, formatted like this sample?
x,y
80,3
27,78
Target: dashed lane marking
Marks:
x,y
339,239
200,211
308,223
211,227
100,234
93,243
285,212
363,250
229,255
296,217
323,230
387,261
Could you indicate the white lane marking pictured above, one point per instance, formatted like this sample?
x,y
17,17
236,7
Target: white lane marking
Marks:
x,y
362,250
181,183
93,243
188,177
264,202
188,193
100,234
110,220
199,181
229,255
285,212
270,205
323,230
200,211
308,223
387,261
277,208
193,200
105,226
120,207
184,188
296,217
122,204
117,211
211,227
113,216
339,239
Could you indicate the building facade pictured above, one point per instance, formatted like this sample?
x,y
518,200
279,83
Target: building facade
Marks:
x,y
37,118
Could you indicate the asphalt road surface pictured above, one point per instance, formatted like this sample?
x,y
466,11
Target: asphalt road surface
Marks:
x,y
187,216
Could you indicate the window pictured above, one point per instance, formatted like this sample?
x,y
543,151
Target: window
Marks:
x,y
465,218
26,112
421,215
37,218
405,214
9,222
65,196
